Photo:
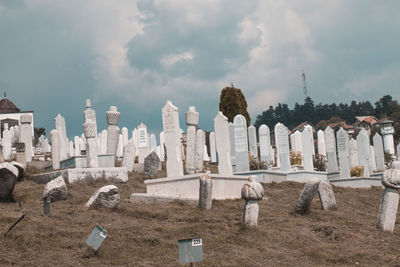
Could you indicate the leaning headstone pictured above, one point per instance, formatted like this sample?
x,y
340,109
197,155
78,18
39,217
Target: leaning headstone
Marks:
x,y
321,143
213,149
60,126
55,149
21,169
172,134
105,197
330,147
282,143
8,178
223,144
205,192
113,130
241,146
90,131
55,190
353,153
265,143
199,155
306,141
192,119
26,135
343,151
253,141
389,200
151,163
128,158
252,192
363,151
379,154
309,190
326,195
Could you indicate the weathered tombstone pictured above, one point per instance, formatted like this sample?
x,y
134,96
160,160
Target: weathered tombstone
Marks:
x,y
120,148
8,178
90,131
55,190
223,144
363,151
389,201
143,142
306,196
353,153
343,152
297,142
213,149
231,129
55,149
59,125
252,141
330,147
265,143
282,143
192,119
26,135
321,143
113,130
125,136
6,142
128,158
172,134
252,192
372,161
241,146
89,113
151,163
326,195
162,147
205,192
104,197
306,138
199,155
103,142
379,154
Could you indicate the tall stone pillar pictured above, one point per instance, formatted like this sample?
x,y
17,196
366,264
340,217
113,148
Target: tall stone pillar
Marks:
x,y
90,131
25,135
55,149
192,119
113,130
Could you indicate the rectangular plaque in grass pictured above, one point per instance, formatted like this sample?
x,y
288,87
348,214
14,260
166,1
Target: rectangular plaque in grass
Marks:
x,y
96,237
190,250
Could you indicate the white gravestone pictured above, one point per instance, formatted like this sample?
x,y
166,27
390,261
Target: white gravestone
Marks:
x,y
129,156
153,143
241,146
125,136
103,142
77,146
223,144
321,143
162,147
120,148
379,154
6,142
55,149
113,130
90,131
372,161
192,119
253,141
59,125
306,141
143,142
199,156
25,135
343,151
135,137
71,149
265,143
398,151
297,142
232,142
330,146
213,150
172,133
282,143
363,151
353,153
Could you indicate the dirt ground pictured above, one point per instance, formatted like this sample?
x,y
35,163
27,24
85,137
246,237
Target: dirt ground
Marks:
x,y
147,234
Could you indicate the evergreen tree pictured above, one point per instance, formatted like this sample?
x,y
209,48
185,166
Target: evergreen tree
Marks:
x,y
233,102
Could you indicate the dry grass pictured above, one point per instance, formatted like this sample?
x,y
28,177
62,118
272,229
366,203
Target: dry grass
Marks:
x,y
147,234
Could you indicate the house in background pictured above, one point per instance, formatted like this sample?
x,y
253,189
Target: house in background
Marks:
x,y
11,114
365,122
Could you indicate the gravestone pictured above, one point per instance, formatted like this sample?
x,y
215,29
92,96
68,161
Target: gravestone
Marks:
x,y
89,113
172,134
231,128
343,151
330,147
321,143
103,142
90,131
55,149
59,125
120,148
199,155
125,136
363,151
25,135
153,142
192,119
143,142
398,151
379,154
151,163
6,142
162,146
353,153
104,197
253,141
372,161
297,142
113,130
8,178
213,151
241,146
252,192
129,156
205,192
223,144
265,143
55,190
282,143
135,137
306,139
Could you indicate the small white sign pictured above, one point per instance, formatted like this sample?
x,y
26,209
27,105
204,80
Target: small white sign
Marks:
x,y
197,242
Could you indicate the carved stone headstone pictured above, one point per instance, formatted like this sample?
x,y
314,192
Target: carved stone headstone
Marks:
x,y
103,142
330,147
192,119
372,161
213,148
321,143
363,151
223,144
128,158
353,153
55,149
265,143
143,142
113,130
309,190
306,138
241,145
282,144
252,192
90,131
60,126
55,190
205,192
26,135
199,151
231,129
151,163
253,141
343,151
104,197
297,141
379,154
8,178
6,142
326,195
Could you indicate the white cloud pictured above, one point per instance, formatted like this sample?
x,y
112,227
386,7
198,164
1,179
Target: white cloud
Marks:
x,y
172,59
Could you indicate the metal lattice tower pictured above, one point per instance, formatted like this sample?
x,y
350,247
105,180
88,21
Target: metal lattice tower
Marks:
x,y
304,84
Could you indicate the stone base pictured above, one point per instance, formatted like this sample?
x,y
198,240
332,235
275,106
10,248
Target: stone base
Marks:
x,y
118,175
104,161
357,182
268,176
145,198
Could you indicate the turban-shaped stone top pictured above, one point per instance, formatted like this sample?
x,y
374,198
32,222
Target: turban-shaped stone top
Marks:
x,y
391,178
252,190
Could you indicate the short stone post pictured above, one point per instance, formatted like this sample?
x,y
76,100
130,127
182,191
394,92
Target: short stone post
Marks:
x,y
205,192
306,196
55,149
389,200
113,130
326,195
252,192
90,131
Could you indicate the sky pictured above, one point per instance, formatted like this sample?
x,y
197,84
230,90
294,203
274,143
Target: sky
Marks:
x,y
136,55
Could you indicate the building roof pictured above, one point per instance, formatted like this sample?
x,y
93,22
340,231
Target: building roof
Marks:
x,y
7,106
301,126
367,119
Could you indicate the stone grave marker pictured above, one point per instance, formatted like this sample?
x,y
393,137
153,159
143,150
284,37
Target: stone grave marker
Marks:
x,y
223,144
353,153
321,143
113,130
343,151
265,143
151,164
241,146
330,147
192,119
282,143
253,141
379,154
213,151
306,141
232,142
363,151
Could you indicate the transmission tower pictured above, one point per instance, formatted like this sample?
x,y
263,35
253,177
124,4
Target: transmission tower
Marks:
x,y
304,84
